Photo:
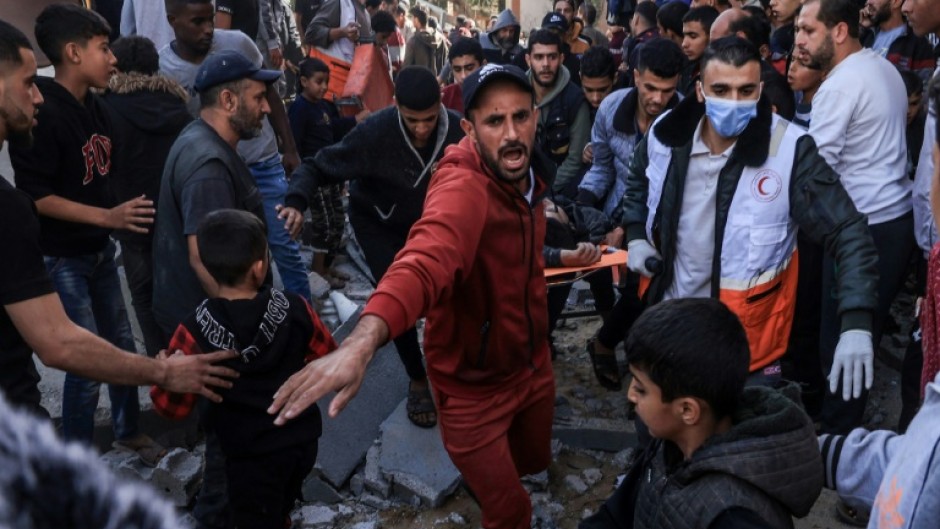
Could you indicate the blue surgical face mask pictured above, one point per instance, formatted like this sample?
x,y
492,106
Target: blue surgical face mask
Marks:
x,y
729,117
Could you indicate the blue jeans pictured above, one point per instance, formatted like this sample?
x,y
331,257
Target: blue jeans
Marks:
x,y
272,183
91,294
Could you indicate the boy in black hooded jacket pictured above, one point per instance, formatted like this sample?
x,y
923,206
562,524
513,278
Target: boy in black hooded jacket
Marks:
x,y
275,334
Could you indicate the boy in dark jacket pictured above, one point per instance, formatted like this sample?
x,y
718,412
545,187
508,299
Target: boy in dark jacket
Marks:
x,y
147,112
723,455
66,171
275,334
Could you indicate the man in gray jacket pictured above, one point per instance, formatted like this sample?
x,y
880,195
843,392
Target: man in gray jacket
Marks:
x,y
564,117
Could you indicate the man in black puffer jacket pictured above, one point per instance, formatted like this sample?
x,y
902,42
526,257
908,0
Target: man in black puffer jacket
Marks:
x,y
388,160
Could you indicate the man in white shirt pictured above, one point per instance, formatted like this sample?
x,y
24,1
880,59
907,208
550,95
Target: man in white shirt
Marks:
x,y
859,119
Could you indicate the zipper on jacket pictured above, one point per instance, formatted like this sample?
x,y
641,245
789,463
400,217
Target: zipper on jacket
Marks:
x,y
484,338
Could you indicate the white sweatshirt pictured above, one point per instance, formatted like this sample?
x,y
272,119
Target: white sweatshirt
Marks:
x,y
858,123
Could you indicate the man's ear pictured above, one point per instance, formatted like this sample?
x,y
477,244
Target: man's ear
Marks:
x,y
468,129
228,100
528,61
840,32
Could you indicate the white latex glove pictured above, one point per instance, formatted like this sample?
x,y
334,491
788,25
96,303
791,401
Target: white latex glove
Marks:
x,y
638,251
854,357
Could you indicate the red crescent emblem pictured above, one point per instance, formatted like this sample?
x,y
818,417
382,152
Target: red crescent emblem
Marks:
x,y
760,185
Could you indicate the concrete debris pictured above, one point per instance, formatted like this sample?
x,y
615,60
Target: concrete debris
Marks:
x,y
315,490
317,517
414,460
575,483
373,480
178,475
591,476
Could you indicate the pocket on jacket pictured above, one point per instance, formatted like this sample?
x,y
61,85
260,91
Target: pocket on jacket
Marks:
x,y
766,245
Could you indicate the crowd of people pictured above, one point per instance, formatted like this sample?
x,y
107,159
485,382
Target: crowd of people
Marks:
x,y
772,169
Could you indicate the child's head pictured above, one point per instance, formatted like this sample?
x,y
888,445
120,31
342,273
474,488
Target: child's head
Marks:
x,y
689,359
75,38
233,247
136,54
914,86
804,78
314,78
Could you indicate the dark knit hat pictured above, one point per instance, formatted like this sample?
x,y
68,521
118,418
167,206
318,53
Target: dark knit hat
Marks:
x,y
416,88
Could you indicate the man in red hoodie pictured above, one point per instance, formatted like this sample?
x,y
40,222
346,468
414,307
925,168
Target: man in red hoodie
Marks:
x,y
473,266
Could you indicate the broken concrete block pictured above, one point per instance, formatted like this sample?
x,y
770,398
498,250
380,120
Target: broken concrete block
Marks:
x,y
357,484
373,480
127,464
574,483
178,475
375,502
317,517
347,438
594,433
591,476
315,490
370,524
414,459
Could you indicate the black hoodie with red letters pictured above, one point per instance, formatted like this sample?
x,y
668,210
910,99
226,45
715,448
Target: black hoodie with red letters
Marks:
x,y
71,158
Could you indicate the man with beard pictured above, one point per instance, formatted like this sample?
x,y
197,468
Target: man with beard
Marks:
x,y
486,340
198,181
893,39
196,38
859,120
564,126
501,44
33,318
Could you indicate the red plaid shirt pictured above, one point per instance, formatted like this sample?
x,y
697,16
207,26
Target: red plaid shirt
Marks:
x,y
177,406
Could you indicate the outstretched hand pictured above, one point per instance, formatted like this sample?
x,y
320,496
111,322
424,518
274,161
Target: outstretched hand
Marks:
x,y
341,371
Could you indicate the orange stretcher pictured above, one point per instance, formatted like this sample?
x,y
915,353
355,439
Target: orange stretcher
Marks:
x,y
362,84
612,258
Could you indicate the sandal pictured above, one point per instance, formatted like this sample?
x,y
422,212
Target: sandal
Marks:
x,y
606,370
149,451
851,516
420,407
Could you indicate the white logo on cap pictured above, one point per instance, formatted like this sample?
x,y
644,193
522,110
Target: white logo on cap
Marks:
x,y
489,69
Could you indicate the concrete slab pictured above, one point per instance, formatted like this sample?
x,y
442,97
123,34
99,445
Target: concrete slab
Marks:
x,y
347,438
594,433
414,460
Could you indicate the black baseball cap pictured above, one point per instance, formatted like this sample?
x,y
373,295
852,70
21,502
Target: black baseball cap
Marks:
x,y
486,75
229,65
555,20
